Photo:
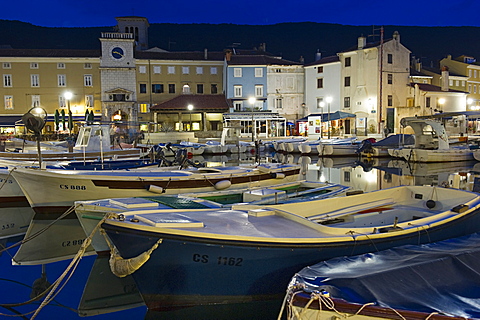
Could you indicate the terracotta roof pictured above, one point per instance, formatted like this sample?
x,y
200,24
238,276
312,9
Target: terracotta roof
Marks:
x,y
180,55
325,60
432,88
259,60
54,53
203,102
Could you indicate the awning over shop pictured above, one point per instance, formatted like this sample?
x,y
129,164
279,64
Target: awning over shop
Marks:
x,y
9,121
337,115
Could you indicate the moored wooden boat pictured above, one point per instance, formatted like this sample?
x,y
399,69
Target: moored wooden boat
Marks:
x,y
15,211
431,144
89,213
93,143
75,185
432,281
249,252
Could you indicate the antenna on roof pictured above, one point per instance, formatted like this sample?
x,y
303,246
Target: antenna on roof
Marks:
x,y
373,35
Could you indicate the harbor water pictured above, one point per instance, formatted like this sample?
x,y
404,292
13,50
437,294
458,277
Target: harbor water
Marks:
x,y
86,289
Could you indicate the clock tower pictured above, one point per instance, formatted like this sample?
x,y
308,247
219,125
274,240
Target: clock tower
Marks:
x,y
118,77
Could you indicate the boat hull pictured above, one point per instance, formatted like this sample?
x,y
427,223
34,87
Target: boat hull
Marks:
x,y
437,155
59,190
90,213
199,271
15,211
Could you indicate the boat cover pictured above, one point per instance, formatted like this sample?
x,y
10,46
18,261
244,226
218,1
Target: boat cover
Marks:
x,y
438,277
396,140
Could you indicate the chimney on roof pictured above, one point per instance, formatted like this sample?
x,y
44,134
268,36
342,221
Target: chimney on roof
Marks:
x,y
445,78
205,54
302,60
263,47
362,42
396,36
228,55
318,55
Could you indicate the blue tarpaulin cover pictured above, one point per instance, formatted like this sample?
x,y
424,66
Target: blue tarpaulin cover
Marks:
x,y
441,277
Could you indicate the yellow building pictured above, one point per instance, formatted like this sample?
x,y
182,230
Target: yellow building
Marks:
x,y
40,78
469,68
118,82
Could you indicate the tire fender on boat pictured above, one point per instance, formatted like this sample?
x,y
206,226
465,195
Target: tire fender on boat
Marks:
x,y
223,184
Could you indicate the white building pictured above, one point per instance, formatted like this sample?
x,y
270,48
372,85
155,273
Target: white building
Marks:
x,y
285,89
322,84
374,83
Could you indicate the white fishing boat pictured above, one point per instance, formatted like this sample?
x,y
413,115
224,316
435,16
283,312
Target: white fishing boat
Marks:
x,y
93,142
430,281
288,145
249,253
75,185
431,144
89,213
309,147
339,147
15,211
380,148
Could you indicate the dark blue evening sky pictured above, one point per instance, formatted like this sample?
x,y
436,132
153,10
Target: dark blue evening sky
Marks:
x,y
97,13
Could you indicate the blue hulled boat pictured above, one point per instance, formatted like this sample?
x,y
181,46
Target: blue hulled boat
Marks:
x,y
432,281
182,258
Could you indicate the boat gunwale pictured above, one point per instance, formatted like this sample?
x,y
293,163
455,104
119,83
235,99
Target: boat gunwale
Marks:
x,y
330,240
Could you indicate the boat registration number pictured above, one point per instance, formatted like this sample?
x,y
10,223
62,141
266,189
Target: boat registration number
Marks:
x,y
220,260
8,226
72,187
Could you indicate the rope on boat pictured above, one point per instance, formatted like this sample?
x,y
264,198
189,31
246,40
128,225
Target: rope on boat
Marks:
x,y
56,287
123,267
39,232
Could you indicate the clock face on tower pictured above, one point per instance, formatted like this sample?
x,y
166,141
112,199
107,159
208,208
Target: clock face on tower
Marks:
x,y
117,53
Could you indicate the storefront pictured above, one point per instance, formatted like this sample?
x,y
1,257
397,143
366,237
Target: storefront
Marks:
x,y
257,125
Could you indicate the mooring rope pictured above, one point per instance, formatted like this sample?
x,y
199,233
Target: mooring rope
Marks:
x,y
39,232
63,279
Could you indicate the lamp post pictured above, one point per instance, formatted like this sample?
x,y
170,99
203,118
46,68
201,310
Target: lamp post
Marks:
x,y
329,100
252,101
190,108
68,96
441,102
321,104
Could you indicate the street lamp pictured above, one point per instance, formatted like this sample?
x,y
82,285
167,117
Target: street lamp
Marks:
x,y
321,104
252,101
441,102
329,100
68,96
190,108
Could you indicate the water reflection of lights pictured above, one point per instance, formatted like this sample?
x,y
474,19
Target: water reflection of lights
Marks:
x,y
322,178
370,177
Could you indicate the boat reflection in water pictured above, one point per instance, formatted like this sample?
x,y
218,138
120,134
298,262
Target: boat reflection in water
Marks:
x,y
83,296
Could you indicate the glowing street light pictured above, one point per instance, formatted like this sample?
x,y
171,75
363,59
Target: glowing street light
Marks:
x,y
441,102
329,100
321,104
252,101
190,108
68,96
